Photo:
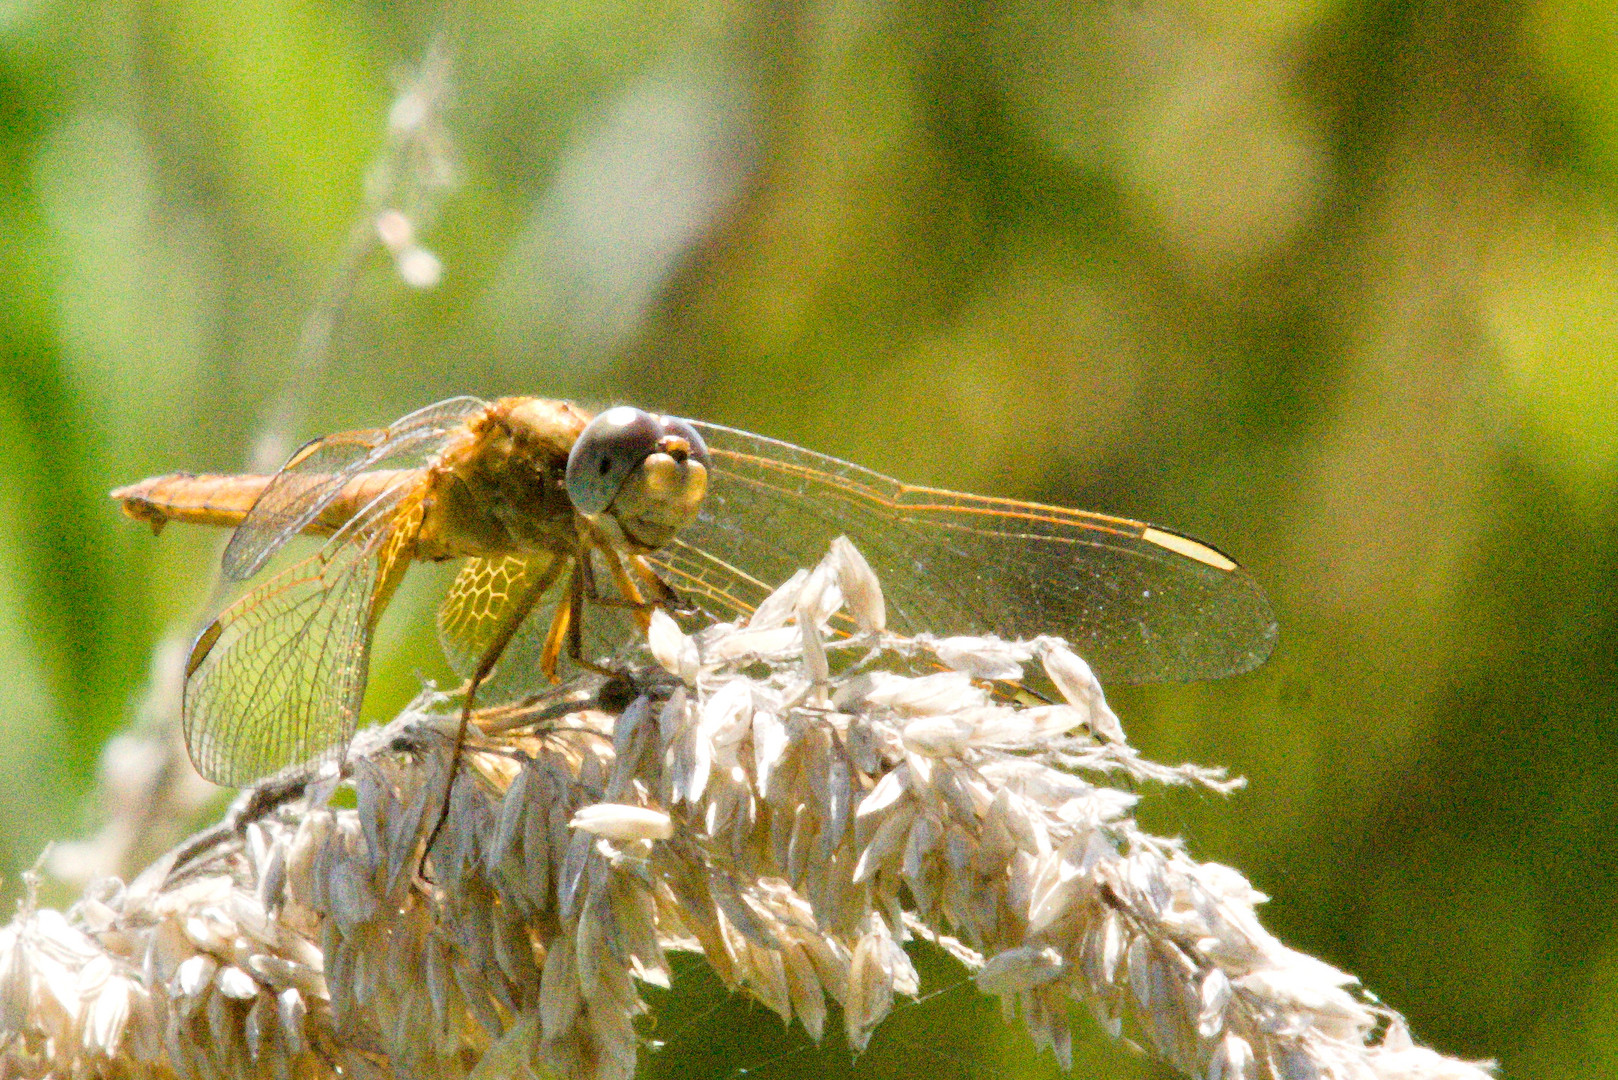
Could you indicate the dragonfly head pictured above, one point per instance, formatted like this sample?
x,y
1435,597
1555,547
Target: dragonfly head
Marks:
x,y
646,472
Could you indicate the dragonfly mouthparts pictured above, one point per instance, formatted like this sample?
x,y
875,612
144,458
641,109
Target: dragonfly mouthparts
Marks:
x,y
675,447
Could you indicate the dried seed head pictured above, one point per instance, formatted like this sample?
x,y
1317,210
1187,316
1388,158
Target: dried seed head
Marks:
x,y
754,800
615,821
859,585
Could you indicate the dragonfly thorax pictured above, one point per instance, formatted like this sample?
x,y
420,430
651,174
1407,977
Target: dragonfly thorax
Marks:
x,y
501,488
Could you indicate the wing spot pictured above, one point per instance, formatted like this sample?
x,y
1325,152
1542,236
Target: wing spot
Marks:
x,y
204,645
1188,547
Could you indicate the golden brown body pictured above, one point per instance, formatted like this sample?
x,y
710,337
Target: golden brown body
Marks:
x,y
278,677
497,488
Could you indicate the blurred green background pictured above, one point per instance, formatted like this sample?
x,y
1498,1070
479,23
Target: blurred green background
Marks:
x,y
1330,284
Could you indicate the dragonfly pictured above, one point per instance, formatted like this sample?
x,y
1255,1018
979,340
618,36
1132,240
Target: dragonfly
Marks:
x,y
547,504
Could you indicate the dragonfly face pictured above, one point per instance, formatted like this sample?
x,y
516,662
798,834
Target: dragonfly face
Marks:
x,y
548,505
645,474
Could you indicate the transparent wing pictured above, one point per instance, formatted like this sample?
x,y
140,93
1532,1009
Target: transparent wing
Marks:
x,y
480,598
277,679
317,473
1141,604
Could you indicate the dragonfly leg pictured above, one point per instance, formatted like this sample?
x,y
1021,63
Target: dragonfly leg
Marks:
x,y
663,594
629,593
629,596
512,618
575,622
564,625
568,627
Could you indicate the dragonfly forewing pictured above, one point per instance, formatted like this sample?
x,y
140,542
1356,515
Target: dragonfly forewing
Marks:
x,y
319,471
1141,604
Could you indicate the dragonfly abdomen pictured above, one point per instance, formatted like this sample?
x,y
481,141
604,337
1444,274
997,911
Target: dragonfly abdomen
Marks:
x,y
199,500
224,501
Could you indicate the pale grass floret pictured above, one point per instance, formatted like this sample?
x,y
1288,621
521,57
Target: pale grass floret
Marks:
x,y
792,803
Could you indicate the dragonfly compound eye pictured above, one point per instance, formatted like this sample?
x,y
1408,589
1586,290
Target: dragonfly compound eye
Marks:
x,y
608,449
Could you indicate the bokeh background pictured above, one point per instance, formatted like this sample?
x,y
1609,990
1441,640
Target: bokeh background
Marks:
x,y
1332,284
